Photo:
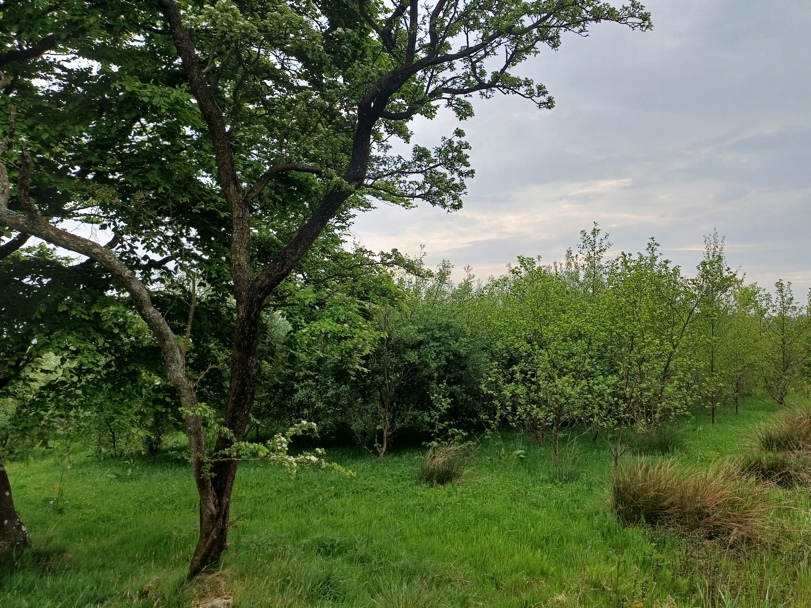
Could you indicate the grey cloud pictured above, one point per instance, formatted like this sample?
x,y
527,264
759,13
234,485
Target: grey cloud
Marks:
x,y
701,123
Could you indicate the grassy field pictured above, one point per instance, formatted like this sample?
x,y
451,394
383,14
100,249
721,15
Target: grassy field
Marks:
x,y
515,533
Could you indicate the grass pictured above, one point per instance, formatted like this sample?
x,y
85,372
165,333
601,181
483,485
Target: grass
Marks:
x,y
781,452
446,463
665,439
714,502
789,432
509,535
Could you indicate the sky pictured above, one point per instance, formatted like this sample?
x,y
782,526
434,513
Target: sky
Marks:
x,y
702,123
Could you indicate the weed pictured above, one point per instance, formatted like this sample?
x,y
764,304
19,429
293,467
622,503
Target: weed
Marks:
x,y
568,467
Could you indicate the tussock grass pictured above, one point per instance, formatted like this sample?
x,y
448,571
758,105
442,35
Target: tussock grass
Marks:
x,y
785,469
789,432
446,463
781,452
712,502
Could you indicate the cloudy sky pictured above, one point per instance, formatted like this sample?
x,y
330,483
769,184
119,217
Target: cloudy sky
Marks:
x,y
702,123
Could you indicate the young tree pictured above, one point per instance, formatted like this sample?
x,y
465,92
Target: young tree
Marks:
x,y
650,312
743,348
288,110
713,286
787,327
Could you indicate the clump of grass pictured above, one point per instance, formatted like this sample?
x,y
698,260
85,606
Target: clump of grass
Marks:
x,y
664,439
445,463
785,469
782,450
790,432
211,590
568,468
712,503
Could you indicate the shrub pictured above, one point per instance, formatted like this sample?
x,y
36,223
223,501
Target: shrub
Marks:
x,y
664,439
445,463
786,469
791,431
712,503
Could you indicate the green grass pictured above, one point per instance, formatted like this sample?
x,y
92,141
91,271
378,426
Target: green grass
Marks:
x,y
512,534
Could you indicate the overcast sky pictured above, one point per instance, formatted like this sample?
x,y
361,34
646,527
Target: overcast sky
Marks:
x,y
703,122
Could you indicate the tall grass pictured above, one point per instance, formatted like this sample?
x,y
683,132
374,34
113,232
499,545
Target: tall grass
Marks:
x,y
789,432
446,463
782,450
709,502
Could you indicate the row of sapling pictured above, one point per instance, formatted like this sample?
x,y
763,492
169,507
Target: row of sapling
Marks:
x,y
629,343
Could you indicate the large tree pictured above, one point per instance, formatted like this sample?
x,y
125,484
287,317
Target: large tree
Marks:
x,y
241,131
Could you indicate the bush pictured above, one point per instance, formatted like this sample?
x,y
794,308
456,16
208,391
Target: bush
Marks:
x,y
664,439
790,432
712,503
785,469
445,463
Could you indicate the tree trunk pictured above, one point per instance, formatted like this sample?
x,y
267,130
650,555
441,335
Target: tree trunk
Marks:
x,y
215,503
12,530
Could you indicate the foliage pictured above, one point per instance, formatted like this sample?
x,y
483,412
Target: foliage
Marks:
x,y
77,361
650,310
786,352
276,451
714,286
546,374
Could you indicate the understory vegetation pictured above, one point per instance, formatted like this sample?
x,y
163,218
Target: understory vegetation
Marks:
x,y
116,532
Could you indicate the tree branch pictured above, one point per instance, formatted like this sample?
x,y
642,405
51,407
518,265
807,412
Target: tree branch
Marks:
x,y
38,227
263,181
42,47
12,245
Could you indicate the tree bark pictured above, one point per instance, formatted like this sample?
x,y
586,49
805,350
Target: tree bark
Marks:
x,y
244,378
13,532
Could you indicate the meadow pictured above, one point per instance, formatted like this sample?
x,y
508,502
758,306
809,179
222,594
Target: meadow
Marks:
x,y
515,532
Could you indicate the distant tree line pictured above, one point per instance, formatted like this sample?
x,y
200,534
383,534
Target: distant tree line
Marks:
x,y
380,350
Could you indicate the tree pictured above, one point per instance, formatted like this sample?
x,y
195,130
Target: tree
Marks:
x,y
296,105
787,327
650,312
713,286
743,349
548,373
